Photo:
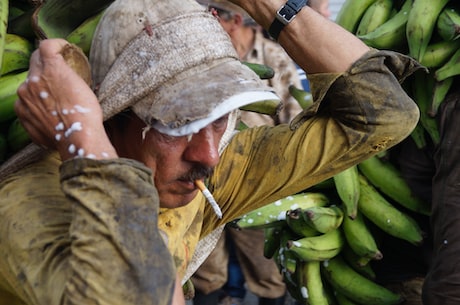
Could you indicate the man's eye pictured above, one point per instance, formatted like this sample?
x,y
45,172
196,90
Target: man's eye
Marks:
x,y
169,139
221,122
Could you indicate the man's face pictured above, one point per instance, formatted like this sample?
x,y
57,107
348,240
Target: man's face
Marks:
x,y
176,161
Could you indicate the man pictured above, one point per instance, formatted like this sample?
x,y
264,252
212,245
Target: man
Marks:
x,y
83,224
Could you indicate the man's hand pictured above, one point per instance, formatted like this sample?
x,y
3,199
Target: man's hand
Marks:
x,y
58,109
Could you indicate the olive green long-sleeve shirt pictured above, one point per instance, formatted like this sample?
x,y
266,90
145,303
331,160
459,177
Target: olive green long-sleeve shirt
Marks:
x,y
89,232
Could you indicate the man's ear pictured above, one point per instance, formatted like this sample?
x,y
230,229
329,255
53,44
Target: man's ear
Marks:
x,y
238,19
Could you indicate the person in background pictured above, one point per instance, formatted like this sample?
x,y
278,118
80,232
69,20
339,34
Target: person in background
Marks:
x,y
253,47
109,207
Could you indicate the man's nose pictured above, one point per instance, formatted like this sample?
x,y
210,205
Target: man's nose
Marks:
x,y
203,148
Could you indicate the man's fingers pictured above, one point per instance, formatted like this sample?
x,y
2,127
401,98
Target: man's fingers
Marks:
x,y
49,48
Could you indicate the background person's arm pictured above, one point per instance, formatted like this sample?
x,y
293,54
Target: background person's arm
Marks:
x,y
316,44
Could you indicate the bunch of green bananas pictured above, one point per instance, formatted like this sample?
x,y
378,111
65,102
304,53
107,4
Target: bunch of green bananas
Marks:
x,y
426,30
23,23
324,239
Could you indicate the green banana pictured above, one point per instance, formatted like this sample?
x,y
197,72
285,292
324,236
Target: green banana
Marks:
x,y
16,54
303,97
440,90
17,136
357,262
323,219
263,71
8,86
291,285
317,248
275,213
272,239
286,260
387,178
438,53
376,14
309,279
360,239
347,186
391,34
355,286
420,25
343,300
82,36
7,108
448,24
450,68
386,216
351,13
418,135
270,107
3,25
298,224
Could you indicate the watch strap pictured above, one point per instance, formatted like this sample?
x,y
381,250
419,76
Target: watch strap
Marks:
x,y
284,16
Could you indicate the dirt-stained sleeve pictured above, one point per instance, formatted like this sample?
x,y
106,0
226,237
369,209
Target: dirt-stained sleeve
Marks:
x,y
121,255
97,244
357,114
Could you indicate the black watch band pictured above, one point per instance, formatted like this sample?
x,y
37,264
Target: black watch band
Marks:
x,y
285,15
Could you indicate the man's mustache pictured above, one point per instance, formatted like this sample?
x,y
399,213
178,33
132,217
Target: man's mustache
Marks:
x,y
198,172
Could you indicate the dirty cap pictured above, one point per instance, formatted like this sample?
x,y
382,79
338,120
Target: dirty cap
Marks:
x,y
172,63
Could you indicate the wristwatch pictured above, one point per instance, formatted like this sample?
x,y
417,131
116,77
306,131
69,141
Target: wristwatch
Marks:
x,y
285,15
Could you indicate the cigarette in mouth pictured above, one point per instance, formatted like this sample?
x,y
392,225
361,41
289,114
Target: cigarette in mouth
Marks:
x,y
207,194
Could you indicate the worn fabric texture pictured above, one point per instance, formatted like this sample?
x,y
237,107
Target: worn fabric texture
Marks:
x,y
67,236
103,213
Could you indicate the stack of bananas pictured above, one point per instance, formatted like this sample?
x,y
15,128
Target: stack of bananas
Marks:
x,y
22,24
426,30
324,239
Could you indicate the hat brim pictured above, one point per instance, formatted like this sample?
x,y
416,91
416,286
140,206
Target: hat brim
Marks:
x,y
201,97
